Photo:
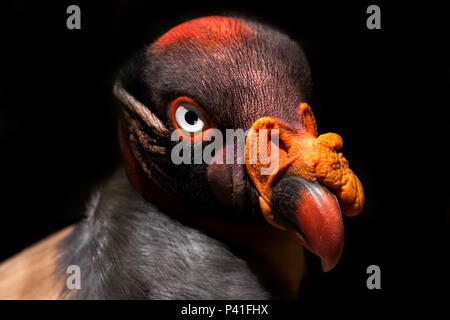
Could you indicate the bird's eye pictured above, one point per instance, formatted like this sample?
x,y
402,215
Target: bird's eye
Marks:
x,y
189,118
187,115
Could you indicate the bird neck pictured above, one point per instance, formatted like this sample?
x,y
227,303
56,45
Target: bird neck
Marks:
x,y
273,254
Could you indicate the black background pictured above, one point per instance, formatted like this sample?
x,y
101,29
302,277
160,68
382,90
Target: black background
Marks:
x,y
384,91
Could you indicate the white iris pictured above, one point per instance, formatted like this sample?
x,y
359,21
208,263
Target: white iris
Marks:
x,y
189,118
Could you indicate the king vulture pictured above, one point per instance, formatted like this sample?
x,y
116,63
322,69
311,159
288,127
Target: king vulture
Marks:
x,y
160,229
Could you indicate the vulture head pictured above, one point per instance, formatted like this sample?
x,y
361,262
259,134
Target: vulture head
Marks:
x,y
216,120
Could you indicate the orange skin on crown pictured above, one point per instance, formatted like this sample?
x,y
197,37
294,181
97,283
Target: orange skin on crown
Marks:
x,y
205,32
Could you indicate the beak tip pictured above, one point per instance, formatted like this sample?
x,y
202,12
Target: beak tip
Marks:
x,y
327,265
330,259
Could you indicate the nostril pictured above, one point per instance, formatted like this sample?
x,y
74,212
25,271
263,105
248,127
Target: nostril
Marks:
x,y
282,146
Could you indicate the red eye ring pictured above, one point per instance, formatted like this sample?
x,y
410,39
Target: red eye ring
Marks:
x,y
188,135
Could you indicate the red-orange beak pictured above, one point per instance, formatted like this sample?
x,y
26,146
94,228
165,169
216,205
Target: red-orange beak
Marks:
x,y
303,183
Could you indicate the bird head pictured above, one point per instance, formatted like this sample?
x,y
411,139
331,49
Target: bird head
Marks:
x,y
215,78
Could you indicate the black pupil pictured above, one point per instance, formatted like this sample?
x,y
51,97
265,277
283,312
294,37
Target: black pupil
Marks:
x,y
191,117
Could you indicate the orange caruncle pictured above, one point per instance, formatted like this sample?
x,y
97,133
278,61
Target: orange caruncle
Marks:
x,y
312,157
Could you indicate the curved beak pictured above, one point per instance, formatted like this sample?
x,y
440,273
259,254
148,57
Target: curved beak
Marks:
x,y
304,185
313,214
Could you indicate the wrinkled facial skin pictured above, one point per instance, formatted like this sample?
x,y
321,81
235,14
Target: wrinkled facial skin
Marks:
x,y
248,72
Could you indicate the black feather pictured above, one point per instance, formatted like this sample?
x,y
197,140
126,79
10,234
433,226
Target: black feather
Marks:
x,y
127,249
